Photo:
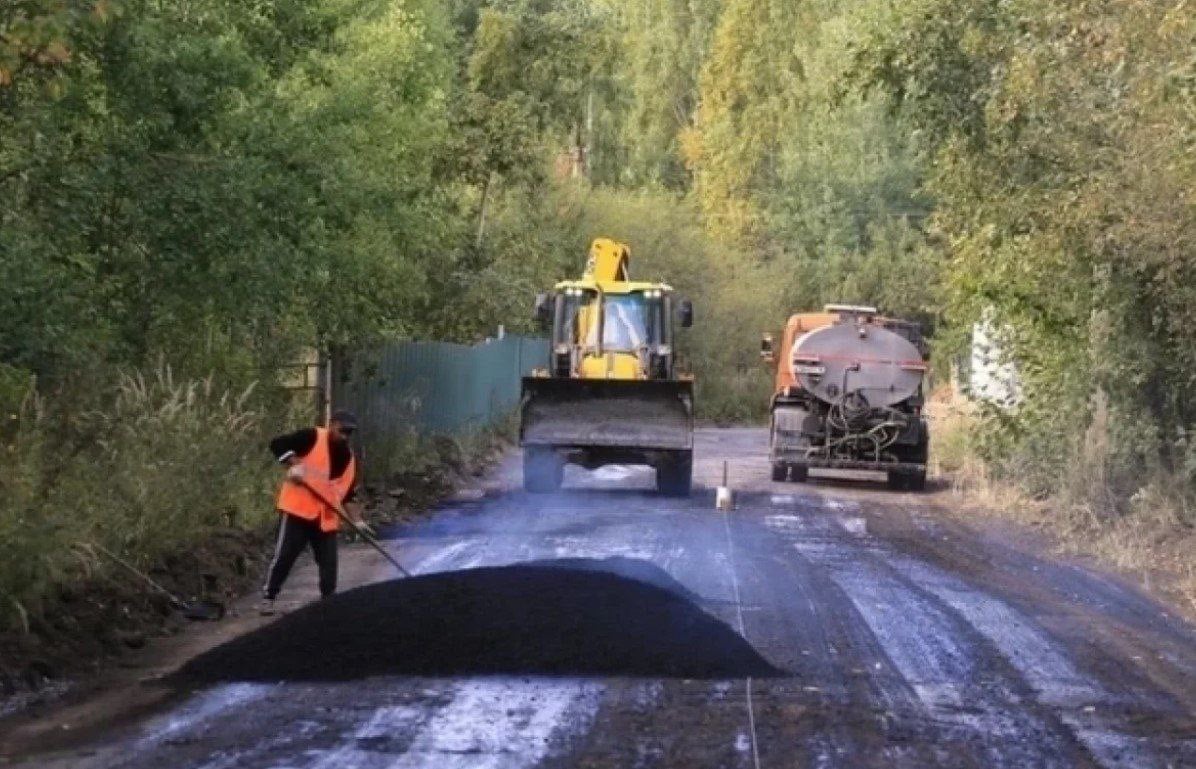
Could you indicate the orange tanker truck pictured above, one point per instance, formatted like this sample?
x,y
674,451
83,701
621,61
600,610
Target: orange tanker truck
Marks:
x,y
848,396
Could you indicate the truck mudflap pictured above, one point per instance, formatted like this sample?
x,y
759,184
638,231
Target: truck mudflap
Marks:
x,y
607,413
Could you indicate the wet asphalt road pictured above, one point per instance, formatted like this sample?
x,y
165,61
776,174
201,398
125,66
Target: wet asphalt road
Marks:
x,y
909,640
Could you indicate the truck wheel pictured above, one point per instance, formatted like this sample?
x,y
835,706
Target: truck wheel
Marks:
x,y
906,481
543,470
674,476
780,471
799,473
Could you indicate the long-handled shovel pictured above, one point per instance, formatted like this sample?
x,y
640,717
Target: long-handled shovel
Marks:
x,y
196,610
370,539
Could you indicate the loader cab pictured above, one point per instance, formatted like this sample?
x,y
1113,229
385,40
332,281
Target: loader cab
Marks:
x,y
623,333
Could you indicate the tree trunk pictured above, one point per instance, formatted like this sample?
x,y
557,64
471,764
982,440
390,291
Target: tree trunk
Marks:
x,y
477,243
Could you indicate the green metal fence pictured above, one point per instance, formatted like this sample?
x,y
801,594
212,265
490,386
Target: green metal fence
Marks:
x,y
432,388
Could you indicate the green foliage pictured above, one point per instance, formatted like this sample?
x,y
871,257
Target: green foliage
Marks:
x,y
1061,139
749,87
218,184
183,178
167,462
664,47
36,36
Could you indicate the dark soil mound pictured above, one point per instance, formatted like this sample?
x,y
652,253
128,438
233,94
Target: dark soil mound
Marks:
x,y
530,619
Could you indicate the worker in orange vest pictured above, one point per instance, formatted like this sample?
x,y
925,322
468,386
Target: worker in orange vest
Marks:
x,y
321,469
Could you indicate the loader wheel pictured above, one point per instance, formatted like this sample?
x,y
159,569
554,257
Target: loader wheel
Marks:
x,y
674,476
543,470
799,473
780,471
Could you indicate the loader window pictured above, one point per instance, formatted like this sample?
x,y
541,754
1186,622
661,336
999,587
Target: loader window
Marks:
x,y
624,327
575,316
629,321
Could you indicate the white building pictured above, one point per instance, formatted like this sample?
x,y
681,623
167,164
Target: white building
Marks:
x,y
992,375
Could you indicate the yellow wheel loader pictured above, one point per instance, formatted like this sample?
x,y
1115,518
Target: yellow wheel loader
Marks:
x,y
611,392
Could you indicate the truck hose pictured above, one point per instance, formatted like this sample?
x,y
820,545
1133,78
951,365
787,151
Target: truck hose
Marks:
x,y
850,413
856,420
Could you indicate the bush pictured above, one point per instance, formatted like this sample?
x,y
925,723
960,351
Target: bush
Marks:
x,y
165,463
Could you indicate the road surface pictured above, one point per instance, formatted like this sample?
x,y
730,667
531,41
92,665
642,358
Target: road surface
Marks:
x,y
905,639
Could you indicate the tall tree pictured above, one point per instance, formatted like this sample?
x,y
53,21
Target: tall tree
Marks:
x,y
749,86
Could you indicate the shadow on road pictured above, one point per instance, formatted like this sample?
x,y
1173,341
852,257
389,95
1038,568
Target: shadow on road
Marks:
x,y
575,617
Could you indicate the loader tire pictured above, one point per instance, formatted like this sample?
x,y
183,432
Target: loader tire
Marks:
x,y
799,473
674,476
543,470
780,471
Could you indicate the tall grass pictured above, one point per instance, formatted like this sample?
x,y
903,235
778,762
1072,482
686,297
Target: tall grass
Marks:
x,y
1143,523
738,397
425,464
161,465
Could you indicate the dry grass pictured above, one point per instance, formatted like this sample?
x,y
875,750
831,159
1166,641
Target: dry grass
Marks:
x,y
1149,535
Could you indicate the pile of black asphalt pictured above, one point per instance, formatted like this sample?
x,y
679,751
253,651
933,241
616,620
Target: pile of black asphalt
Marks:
x,y
552,618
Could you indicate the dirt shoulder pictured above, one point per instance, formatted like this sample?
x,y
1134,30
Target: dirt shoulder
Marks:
x,y
1147,541
1152,554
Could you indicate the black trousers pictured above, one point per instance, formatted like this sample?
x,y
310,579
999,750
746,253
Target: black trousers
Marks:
x,y
294,534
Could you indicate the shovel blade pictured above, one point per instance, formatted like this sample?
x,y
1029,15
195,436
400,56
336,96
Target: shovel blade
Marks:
x,y
600,413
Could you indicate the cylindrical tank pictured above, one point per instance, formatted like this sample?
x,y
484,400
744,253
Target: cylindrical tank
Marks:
x,y
857,357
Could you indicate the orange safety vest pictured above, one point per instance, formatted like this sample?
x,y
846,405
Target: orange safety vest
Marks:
x,y
296,499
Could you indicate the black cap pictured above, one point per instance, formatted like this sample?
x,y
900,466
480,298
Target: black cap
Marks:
x,y
346,418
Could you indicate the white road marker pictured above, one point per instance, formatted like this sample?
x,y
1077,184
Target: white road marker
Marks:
x,y
743,632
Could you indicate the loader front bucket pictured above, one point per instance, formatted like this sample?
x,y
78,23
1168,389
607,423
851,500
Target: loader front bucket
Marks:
x,y
607,413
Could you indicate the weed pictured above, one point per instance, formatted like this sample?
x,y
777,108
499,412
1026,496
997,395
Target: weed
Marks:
x,y
1142,525
164,463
